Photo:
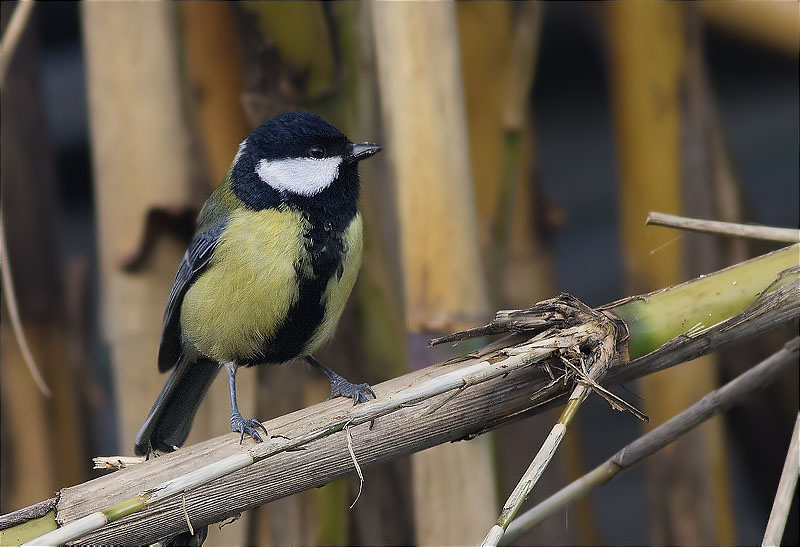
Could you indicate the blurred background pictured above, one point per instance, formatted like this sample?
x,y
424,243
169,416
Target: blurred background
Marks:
x,y
524,146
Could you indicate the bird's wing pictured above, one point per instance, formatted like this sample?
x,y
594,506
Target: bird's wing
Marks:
x,y
197,257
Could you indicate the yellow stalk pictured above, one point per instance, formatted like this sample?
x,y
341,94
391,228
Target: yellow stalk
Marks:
x,y
658,317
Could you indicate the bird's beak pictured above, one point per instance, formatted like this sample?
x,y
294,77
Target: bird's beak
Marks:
x,y
362,151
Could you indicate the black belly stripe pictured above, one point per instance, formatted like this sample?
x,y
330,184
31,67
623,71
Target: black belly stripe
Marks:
x,y
325,250
301,322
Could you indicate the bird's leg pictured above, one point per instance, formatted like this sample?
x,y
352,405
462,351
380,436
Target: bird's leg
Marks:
x,y
340,386
239,424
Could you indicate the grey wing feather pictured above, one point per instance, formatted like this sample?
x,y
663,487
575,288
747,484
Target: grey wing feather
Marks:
x,y
196,258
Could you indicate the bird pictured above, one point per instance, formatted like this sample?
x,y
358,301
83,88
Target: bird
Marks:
x,y
267,273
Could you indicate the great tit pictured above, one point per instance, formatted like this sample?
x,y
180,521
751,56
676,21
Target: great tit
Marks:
x,y
267,273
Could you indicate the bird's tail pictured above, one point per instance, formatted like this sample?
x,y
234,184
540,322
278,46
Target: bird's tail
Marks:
x,y
169,421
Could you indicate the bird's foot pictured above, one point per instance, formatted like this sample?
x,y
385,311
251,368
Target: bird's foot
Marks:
x,y
247,427
342,388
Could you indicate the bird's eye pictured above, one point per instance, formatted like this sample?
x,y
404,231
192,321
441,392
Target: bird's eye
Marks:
x,y
316,152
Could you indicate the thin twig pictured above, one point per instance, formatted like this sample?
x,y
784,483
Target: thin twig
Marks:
x,y
13,313
19,19
186,514
355,463
522,64
788,235
616,402
785,494
732,393
602,357
536,468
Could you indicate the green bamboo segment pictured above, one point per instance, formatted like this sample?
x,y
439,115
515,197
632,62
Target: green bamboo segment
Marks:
x,y
300,32
333,519
28,530
125,508
658,317
500,250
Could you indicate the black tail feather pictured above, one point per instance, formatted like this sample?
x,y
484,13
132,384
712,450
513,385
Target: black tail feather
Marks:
x,y
169,421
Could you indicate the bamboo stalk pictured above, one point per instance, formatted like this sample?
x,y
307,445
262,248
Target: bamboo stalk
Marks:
x,y
786,258
499,383
514,184
457,378
141,161
601,362
536,468
31,223
10,299
170,488
12,34
657,317
786,486
37,519
785,235
419,70
704,449
648,47
211,49
719,400
502,47
417,57
246,484
771,24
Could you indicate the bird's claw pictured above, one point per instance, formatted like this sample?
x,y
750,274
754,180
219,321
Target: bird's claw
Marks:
x,y
358,392
249,426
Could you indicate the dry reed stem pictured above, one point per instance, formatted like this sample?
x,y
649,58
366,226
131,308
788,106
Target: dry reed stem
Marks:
x,y
786,486
785,235
592,330
13,310
778,307
186,514
602,333
494,397
11,38
355,464
719,400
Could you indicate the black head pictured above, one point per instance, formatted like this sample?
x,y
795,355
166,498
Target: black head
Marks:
x,y
301,160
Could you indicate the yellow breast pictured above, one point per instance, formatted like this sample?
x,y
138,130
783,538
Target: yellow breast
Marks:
x,y
245,293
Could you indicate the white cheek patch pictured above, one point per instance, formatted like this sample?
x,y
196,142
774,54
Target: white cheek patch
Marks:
x,y
304,176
